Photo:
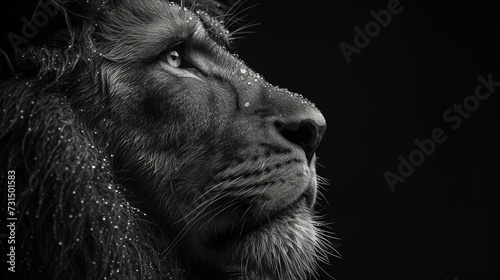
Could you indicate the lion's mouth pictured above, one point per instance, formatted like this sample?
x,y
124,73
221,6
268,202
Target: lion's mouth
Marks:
x,y
285,212
266,221
260,221
305,200
257,218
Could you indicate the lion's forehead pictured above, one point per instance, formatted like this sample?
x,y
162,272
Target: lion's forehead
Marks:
x,y
131,34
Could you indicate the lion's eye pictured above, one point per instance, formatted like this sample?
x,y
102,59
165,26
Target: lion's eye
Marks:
x,y
173,58
176,57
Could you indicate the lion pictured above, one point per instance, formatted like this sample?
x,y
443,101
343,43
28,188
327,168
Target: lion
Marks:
x,y
137,145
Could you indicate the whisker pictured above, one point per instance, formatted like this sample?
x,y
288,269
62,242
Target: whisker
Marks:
x,y
240,30
231,20
201,213
201,205
193,6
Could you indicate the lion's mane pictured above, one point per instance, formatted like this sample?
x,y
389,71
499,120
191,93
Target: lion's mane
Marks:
x,y
73,220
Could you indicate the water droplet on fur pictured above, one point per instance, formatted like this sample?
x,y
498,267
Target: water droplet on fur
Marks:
x,y
243,70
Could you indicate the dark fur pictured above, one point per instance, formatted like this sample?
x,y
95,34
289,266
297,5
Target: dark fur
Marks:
x,y
85,166
74,221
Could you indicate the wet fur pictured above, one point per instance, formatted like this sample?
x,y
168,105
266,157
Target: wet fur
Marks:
x,y
76,218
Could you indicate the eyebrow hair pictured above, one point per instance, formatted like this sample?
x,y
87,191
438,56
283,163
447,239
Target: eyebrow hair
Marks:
x,y
215,29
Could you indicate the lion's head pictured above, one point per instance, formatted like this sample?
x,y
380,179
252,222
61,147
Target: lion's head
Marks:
x,y
222,162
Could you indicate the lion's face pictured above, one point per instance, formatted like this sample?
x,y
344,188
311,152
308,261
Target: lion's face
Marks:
x,y
222,160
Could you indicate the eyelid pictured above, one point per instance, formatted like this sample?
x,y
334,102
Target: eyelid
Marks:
x,y
171,47
180,40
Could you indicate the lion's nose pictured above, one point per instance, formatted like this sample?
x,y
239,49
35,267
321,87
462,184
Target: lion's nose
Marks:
x,y
305,131
290,116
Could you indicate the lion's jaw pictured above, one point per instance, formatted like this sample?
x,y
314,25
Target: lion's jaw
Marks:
x,y
246,241
259,228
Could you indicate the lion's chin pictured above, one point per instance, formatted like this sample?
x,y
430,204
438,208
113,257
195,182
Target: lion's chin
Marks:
x,y
284,248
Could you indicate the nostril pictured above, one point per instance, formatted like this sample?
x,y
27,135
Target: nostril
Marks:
x,y
305,133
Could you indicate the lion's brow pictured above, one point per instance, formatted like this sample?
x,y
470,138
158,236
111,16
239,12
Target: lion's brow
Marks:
x,y
215,29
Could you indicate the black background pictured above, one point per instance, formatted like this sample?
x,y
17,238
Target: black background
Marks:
x,y
442,221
